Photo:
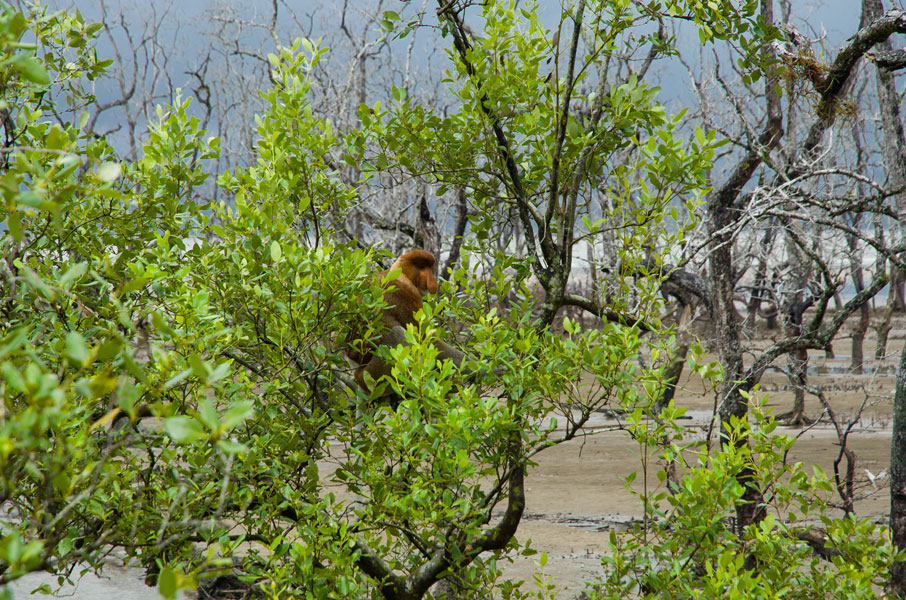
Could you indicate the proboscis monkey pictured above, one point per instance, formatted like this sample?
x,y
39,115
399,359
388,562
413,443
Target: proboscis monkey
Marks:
x,y
403,297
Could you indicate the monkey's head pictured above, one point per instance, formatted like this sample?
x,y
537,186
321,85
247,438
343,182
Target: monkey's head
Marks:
x,y
418,267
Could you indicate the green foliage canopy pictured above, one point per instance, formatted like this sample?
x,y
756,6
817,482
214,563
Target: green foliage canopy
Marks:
x,y
173,380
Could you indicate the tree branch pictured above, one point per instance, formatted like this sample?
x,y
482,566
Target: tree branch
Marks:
x,y
560,136
889,61
832,86
811,340
608,315
392,586
461,43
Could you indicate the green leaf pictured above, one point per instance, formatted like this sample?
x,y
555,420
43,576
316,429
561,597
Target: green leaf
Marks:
x,y
73,273
12,341
31,69
184,430
135,284
276,251
14,222
11,548
166,583
568,325
237,413
76,348
31,198
161,325
700,136
177,379
231,447
61,482
13,377
199,367
208,415
219,372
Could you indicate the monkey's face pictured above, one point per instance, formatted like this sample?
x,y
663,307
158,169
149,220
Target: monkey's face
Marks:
x,y
427,283
418,267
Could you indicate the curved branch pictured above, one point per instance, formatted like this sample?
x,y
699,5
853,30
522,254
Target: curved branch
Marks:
x,y
832,86
500,535
893,60
392,586
608,315
395,587
462,45
811,340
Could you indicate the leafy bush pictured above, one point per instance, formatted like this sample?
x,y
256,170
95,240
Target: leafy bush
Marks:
x,y
689,547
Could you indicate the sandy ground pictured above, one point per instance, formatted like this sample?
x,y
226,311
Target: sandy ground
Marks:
x,y
575,494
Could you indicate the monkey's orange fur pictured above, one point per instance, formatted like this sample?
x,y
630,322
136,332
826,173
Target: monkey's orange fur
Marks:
x,y
403,298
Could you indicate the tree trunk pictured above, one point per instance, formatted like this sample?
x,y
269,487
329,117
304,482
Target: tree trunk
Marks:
x,y
673,370
898,479
427,235
733,405
459,230
897,282
795,298
855,267
857,363
770,318
894,150
798,379
594,291
798,361
723,215
759,287
883,327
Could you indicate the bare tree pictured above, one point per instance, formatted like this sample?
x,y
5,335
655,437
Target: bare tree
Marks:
x,y
894,151
788,197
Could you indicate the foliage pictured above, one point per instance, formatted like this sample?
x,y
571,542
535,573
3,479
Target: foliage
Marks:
x,y
173,379
291,187
615,170
687,547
